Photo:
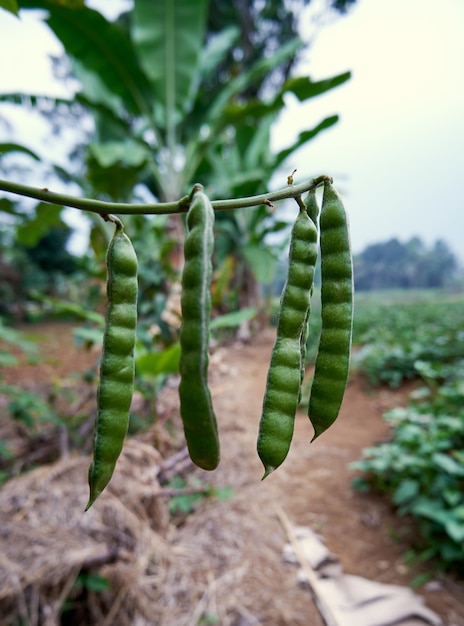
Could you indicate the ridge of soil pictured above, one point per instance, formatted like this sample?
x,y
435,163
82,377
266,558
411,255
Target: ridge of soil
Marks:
x,y
232,549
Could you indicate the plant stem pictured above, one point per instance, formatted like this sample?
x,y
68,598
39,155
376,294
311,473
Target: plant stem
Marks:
x,y
164,208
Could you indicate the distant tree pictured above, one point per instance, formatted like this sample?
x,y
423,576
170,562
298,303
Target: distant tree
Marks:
x,y
439,265
195,101
50,253
263,28
404,265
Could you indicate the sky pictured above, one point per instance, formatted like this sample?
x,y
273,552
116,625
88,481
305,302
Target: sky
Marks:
x,y
396,154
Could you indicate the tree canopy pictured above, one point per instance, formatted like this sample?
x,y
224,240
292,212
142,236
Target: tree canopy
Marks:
x,y
406,265
262,28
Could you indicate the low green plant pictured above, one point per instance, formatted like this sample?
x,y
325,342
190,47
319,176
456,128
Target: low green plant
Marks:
x,y
86,582
12,339
29,407
208,618
394,336
187,494
92,582
422,467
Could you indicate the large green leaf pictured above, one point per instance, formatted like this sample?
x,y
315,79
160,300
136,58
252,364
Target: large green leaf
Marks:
x,y
216,49
304,137
7,206
9,5
102,47
30,232
72,308
115,167
447,464
33,100
239,84
233,319
304,88
237,111
71,4
169,36
16,147
258,146
99,100
223,111
128,153
261,261
162,362
94,90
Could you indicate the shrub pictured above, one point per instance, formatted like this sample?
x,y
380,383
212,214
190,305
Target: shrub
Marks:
x,y
422,467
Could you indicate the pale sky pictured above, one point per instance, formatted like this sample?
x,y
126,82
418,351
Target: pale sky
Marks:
x,y
397,153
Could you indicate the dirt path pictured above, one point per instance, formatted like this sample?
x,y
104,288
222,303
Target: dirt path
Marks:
x,y
226,559
235,547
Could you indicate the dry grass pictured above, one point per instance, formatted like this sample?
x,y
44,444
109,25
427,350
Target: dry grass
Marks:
x,y
219,562
46,540
223,562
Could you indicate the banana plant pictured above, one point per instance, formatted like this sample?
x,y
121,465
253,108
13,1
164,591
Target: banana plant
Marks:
x,y
10,5
142,76
142,79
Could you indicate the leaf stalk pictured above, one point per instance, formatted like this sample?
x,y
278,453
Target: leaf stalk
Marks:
x,y
102,207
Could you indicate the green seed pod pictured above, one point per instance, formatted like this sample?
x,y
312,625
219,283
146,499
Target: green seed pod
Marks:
x,y
196,408
333,358
117,362
283,388
303,342
312,207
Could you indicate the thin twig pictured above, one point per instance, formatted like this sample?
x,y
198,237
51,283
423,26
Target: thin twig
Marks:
x,y
173,465
164,208
95,561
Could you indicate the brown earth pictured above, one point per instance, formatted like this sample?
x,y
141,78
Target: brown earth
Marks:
x,y
227,555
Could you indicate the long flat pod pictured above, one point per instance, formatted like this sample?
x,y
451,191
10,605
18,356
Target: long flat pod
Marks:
x,y
196,408
117,362
283,386
333,358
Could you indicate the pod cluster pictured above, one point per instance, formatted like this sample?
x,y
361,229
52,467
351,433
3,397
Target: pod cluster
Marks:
x,y
312,234
287,366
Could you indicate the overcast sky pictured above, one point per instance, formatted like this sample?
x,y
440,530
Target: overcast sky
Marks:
x,y
397,153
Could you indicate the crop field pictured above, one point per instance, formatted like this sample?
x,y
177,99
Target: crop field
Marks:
x,y
418,336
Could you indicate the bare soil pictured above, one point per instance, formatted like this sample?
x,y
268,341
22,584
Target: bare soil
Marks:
x,y
227,555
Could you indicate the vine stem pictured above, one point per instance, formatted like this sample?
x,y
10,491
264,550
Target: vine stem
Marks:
x,y
164,208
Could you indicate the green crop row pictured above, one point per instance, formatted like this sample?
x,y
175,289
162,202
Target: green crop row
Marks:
x,y
393,337
422,467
